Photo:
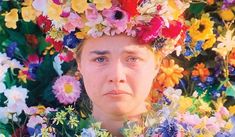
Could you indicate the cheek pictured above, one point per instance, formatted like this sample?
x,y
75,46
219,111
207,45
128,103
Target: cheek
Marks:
x,y
142,81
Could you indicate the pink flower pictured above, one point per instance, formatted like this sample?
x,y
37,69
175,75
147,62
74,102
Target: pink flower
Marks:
x,y
65,12
116,17
91,13
189,119
174,29
66,89
148,33
74,21
214,125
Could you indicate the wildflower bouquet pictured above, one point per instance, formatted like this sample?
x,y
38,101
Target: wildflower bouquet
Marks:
x,y
41,96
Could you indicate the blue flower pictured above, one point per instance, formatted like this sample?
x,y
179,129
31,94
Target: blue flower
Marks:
x,y
33,70
35,131
71,40
88,132
188,52
223,134
10,50
168,128
198,46
188,38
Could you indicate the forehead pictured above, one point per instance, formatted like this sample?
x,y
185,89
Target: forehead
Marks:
x,y
117,43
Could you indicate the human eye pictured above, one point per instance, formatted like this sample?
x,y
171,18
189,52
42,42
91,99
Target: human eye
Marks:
x,y
100,59
133,59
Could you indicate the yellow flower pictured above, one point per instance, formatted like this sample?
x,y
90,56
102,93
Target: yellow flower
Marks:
x,y
102,4
27,3
170,73
228,126
226,43
232,110
226,14
184,104
11,18
79,5
204,108
22,76
28,13
177,7
54,11
40,109
83,32
209,42
201,29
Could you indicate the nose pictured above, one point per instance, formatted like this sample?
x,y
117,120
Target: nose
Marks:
x,y
117,72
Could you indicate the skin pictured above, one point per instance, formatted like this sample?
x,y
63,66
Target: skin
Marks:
x,y
118,75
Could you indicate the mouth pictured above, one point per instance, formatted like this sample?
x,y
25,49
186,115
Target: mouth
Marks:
x,y
117,92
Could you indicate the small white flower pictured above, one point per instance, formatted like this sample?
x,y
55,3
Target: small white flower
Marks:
x,y
16,99
3,115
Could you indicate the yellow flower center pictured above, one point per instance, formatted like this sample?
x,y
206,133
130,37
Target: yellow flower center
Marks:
x,y
68,88
99,27
168,71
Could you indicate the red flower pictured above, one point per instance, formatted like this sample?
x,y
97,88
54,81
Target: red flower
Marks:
x,y
56,44
20,132
44,23
130,6
32,40
148,33
174,29
67,57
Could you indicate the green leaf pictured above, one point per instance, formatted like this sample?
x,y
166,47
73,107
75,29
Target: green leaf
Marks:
x,y
28,28
4,129
16,36
84,123
9,79
196,8
230,91
42,44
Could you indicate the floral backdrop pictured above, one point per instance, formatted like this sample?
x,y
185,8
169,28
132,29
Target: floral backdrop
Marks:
x,y
41,93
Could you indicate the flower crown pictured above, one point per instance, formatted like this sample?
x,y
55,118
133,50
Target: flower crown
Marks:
x,y
67,23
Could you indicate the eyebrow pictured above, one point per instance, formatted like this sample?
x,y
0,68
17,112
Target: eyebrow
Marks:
x,y
100,52
104,52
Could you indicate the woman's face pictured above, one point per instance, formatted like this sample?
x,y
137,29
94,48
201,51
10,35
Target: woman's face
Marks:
x,y
117,73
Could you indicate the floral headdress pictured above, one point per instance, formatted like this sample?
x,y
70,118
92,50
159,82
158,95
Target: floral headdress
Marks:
x,y
158,22
37,38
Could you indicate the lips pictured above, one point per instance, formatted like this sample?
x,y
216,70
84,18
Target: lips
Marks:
x,y
117,92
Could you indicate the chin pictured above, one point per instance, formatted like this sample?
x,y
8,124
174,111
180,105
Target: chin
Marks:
x,y
118,108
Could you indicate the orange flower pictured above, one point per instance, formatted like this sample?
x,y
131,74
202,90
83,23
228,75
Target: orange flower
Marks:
x,y
201,71
170,73
231,58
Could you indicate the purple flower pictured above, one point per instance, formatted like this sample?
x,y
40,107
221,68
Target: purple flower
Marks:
x,y
223,134
10,50
33,70
71,40
167,129
228,3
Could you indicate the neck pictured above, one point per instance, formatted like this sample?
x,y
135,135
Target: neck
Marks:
x,y
113,122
